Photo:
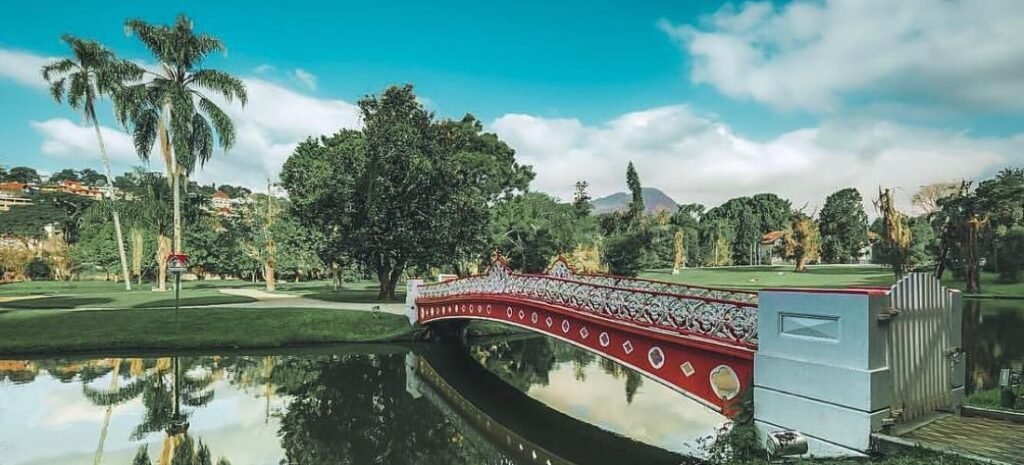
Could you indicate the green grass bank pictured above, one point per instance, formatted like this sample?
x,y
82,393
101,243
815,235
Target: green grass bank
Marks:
x,y
56,332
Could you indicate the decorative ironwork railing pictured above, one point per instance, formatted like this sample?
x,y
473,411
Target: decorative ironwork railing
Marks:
x,y
727,320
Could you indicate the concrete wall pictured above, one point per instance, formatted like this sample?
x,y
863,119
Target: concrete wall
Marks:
x,y
821,367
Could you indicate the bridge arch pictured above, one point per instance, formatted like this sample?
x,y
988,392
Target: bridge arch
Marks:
x,y
698,345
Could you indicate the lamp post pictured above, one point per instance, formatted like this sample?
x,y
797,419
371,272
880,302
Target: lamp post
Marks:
x,y
177,264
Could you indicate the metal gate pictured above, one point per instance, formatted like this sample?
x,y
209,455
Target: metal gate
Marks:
x,y
924,341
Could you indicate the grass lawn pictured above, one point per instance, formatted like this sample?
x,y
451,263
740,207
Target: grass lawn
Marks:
x,y
364,291
758,277
836,276
101,294
198,328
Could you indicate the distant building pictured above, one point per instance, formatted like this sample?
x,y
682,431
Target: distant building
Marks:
x,y
74,188
767,249
222,204
13,194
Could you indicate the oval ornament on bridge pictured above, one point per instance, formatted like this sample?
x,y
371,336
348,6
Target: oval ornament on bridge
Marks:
x,y
656,357
724,382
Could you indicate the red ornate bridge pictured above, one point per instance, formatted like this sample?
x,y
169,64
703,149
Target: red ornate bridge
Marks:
x,y
697,340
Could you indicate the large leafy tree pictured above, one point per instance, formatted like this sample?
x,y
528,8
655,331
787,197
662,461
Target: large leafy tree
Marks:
x,y
844,226
534,228
176,105
802,241
91,72
405,190
22,174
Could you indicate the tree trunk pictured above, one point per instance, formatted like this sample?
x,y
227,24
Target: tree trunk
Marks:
x,y
801,264
162,252
383,277
177,205
972,263
268,274
110,187
396,273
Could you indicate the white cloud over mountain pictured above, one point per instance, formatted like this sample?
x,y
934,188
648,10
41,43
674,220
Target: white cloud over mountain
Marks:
x,y
697,159
965,54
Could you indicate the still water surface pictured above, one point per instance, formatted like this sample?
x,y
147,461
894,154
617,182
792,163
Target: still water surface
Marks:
x,y
503,401
993,337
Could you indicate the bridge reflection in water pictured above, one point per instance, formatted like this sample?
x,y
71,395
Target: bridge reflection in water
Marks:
x,y
490,410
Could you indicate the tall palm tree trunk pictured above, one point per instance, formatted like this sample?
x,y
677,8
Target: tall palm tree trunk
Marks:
x,y
162,251
98,458
110,187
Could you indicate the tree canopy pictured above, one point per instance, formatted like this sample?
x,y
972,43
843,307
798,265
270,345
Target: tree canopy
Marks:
x,y
844,226
405,190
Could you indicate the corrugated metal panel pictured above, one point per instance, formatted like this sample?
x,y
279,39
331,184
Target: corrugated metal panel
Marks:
x,y
919,338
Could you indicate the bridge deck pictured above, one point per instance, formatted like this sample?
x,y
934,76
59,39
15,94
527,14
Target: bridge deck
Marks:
x,y
983,437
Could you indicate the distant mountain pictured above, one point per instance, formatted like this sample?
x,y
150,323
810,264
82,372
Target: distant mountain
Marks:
x,y
654,201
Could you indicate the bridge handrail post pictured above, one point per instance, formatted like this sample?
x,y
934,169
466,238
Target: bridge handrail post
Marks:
x,y
412,292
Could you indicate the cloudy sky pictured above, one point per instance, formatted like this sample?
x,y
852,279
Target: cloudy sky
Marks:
x,y
710,100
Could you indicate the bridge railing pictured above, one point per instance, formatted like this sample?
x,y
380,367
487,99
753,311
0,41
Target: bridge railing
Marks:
x,y
562,269
731,321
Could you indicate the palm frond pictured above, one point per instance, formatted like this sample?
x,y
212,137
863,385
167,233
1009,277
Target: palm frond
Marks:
x,y
57,89
156,38
221,122
78,91
144,132
58,68
202,140
220,82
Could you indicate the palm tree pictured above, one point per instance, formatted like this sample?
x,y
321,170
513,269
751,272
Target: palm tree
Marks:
x,y
173,106
91,72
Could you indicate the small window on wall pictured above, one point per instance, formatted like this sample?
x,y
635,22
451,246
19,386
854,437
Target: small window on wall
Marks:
x,y
820,327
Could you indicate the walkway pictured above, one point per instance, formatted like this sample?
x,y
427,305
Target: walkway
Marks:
x,y
996,440
266,299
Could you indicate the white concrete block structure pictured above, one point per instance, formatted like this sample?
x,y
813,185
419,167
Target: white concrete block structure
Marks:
x,y
831,364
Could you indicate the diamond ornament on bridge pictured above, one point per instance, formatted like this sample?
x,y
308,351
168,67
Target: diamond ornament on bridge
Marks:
x,y
628,347
687,369
604,339
549,322
584,333
522,314
565,326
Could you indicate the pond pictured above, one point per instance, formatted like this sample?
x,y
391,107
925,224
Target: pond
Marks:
x,y
511,400
993,334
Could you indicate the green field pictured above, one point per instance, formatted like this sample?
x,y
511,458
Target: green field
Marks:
x,y
822,276
55,331
103,295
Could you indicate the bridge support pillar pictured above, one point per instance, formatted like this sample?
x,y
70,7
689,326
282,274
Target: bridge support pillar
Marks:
x,y
821,367
412,291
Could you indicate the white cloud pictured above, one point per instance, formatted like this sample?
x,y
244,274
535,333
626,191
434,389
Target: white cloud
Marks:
x,y
812,55
267,129
698,159
63,138
306,78
23,67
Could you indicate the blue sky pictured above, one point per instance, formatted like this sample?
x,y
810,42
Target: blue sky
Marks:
x,y
705,89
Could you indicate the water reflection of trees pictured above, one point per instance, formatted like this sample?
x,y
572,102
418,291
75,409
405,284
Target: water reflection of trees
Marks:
x,y
180,449
527,362
992,338
154,381
356,410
